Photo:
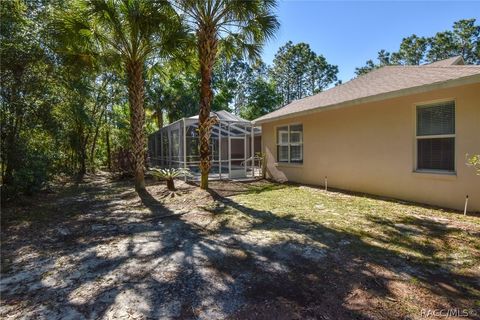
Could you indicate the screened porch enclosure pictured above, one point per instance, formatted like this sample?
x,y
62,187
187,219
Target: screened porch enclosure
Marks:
x,y
234,142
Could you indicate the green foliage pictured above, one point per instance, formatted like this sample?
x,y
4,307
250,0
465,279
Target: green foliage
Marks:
x,y
28,123
239,87
237,28
38,164
474,161
169,174
412,51
63,109
298,72
442,46
232,76
261,99
241,27
463,40
133,34
243,88
384,58
174,94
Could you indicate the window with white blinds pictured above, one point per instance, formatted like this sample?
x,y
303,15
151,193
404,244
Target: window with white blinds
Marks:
x,y
290,144
436,137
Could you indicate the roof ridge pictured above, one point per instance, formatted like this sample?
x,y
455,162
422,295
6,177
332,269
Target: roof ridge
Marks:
x,y
451,66
425,66
452,61
386,81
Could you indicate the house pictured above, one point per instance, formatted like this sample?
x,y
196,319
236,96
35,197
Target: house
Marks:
x,y
399,131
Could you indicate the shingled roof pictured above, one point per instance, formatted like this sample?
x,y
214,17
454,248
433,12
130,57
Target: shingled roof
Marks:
x,y
380,84
458,60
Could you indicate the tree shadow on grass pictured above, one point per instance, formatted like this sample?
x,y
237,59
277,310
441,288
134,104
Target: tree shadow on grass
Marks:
x,y
228,188
355,260
169,267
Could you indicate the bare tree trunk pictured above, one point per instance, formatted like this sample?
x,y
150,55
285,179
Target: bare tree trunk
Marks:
x,y
83,164
12,156
98,123
82,153
136,93
207,51
109,152
94,141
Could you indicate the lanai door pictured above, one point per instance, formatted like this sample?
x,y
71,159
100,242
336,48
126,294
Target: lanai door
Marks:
x,y
238,148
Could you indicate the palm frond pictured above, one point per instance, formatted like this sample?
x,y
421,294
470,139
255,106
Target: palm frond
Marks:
x,y
241,26
134,29
170,173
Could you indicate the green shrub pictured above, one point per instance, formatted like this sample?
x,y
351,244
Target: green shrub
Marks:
x,y
170,174
474,161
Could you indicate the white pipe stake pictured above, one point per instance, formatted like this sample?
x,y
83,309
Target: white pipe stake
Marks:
x,y
326,183
466,204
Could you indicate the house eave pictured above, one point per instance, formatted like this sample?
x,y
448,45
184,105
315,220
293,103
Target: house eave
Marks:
x,y
379,97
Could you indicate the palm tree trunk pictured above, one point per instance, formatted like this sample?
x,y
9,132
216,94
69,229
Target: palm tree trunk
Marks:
x,y
159,118
136,92
207,51
170,184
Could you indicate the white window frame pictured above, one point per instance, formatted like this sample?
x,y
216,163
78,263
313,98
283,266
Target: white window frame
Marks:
x,y
437,136
280,143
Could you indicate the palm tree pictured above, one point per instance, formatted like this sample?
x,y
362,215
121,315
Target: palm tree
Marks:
x,y
237,27
130,32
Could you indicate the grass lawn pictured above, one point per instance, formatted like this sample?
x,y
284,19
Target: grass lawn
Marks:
x,y
256,250
416,253
423,234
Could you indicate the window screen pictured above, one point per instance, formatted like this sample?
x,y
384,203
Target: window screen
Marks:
x,y
283,137
296,154
290,144
436,154
436,119
175,143
436,137
282,152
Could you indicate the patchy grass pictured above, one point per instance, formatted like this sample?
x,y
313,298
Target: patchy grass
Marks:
x,y
424,241
256,250
427,234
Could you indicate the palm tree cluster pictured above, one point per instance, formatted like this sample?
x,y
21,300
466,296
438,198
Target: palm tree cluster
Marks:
x,y
130,35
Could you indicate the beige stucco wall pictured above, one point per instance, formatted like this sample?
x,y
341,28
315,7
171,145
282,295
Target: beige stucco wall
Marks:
x,y
371,148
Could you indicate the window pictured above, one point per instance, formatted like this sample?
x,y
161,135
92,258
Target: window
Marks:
x,y
436,137
175,140
290,144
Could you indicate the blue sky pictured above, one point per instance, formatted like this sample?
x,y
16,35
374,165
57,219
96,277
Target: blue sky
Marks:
x,y
350,33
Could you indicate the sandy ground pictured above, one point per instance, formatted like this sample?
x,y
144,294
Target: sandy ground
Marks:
x,y
98,250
